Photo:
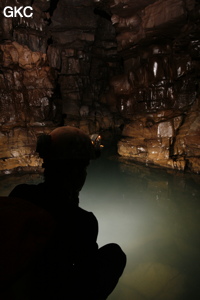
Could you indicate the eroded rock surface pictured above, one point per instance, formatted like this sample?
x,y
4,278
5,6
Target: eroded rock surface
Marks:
x,y
100,65
158,91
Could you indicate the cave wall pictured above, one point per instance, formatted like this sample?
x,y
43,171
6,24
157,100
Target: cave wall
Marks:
x,y
99,65
53,68
158,91
83,51
26,86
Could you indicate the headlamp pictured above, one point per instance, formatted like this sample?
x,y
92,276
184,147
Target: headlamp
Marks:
x,y
96,141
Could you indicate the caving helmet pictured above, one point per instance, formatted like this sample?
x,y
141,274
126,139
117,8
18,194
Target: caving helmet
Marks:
x,y
65,143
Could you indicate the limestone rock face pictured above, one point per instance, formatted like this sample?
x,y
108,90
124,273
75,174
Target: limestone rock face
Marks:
x,y
83,44
18,147
158,88
187,139
151,142
25,101
133,64
141,23
51,65
171,141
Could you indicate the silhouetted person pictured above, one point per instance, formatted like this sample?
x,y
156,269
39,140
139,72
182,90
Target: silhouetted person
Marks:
x,y
72,266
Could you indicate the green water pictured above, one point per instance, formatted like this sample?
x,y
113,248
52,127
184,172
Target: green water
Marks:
x,y
154,215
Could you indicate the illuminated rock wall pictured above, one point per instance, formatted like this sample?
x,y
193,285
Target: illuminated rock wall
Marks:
x,y
158,91
26,87
100,65
53,67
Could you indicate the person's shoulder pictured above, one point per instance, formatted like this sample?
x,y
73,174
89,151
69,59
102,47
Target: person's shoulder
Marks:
x,y
19,189
88,214
85,212
89,223
24,191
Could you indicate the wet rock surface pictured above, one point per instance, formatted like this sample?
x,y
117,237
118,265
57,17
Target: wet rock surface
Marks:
x,y
102,65
158,92
26,103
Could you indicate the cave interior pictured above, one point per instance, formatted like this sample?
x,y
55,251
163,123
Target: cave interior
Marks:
x,y
127,69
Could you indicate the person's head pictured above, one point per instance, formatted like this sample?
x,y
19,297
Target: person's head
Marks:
x,y
66,153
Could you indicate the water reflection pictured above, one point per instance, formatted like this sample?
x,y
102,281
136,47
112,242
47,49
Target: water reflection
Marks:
x,y
154,216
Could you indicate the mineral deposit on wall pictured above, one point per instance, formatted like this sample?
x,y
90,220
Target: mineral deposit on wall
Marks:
x,y
158,92
100,65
